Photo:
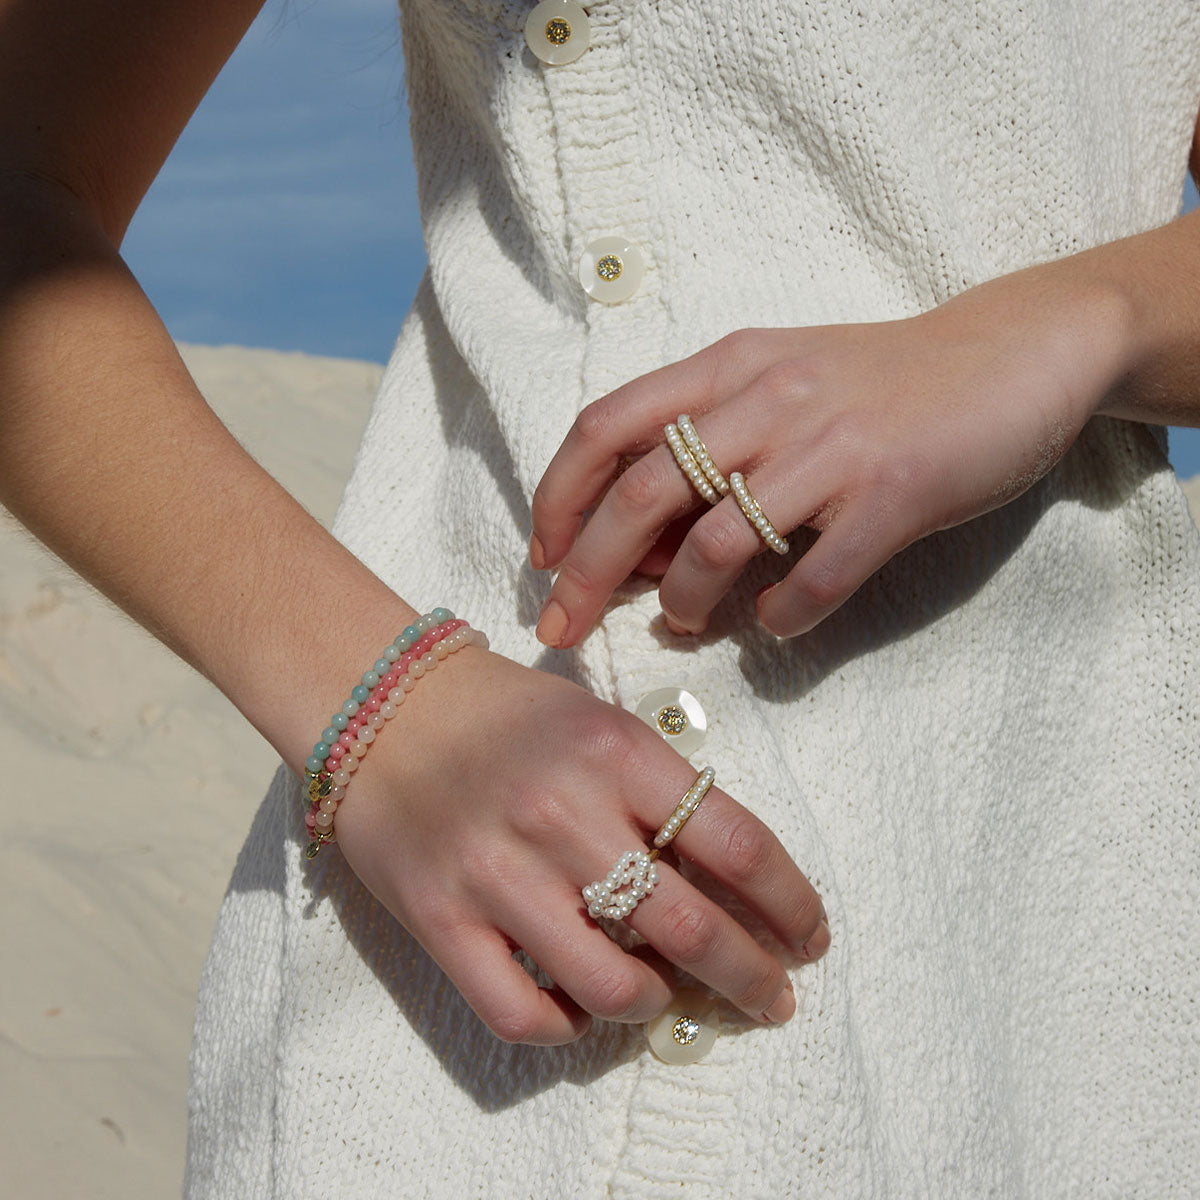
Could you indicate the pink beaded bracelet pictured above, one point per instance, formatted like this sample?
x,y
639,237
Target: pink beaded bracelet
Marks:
x,y
352,729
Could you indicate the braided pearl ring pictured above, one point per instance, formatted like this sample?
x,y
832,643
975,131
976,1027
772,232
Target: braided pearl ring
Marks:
x,y
633,876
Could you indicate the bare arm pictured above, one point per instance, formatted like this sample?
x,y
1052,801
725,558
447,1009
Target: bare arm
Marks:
x,y
109,453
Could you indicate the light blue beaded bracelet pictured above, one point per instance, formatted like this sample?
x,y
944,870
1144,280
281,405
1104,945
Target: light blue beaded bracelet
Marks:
x,y
372,702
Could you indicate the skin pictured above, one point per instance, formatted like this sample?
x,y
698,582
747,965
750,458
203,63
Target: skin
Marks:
x,y
113,459
983,395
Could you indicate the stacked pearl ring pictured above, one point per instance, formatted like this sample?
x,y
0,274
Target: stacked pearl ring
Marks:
x,y
688,464
634,874
755,515
701,455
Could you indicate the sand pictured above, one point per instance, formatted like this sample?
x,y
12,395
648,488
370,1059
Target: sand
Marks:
x,y
147,780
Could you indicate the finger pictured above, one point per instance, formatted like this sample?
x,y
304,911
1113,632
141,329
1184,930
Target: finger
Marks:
x,y
585,962
620,533
726,840
631,419
506,998
857,542
723,540
655,563
685,926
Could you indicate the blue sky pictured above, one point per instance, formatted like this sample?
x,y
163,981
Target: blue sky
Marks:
x,y
287,214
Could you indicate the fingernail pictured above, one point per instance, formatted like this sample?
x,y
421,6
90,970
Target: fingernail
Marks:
x,y
783,1008
552,624
537,554
823,925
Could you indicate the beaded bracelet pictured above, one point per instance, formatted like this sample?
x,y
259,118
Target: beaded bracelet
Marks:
x,y
376,700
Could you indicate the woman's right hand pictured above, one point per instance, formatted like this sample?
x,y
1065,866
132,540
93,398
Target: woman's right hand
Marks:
x,y
498,792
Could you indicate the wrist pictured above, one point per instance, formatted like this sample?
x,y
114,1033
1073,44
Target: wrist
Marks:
x,y
1148,282
1072,316
353,727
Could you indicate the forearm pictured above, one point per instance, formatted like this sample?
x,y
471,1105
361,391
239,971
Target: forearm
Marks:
x,y
1142,293
112,458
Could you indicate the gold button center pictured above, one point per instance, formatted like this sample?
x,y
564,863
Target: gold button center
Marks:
x,y
672,719
608,267
686,1030
558,31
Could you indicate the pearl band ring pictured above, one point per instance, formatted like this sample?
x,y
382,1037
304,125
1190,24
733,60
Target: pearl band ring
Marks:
x,y
684,809
755,515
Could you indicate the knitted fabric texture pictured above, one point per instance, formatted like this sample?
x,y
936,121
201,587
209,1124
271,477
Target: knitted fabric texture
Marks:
x,y
986,761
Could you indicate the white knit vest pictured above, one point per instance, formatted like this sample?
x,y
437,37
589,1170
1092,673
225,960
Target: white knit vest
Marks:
x,y
986,761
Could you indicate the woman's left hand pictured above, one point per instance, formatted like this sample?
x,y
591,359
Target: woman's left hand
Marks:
x,y
873,434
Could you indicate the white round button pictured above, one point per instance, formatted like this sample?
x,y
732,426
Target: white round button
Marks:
x,y
676,716
557,31
610,269
686,1030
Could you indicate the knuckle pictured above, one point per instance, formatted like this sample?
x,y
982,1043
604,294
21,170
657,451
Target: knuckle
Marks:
x,y
821,587
748,850
604,742
692,932
738,344
541,510
573,579
595,423
544,815
514,1025
717,544
897,477
759,987
611,995
788,377
639,487
439,921
845,434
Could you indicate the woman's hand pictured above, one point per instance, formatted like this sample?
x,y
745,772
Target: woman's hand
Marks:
x,y
874,434
510,789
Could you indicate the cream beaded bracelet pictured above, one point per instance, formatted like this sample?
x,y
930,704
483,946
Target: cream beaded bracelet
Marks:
x,y
371,704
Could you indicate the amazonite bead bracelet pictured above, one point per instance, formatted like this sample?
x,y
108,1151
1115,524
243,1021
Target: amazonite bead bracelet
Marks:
x,y
371,704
